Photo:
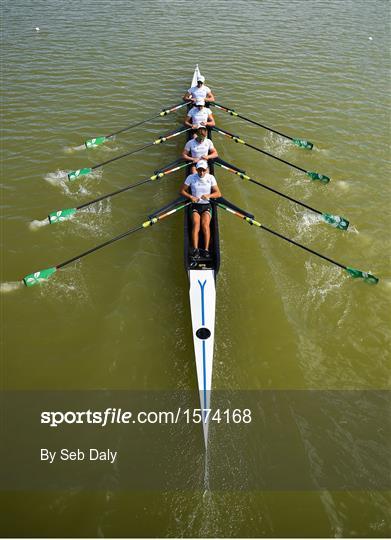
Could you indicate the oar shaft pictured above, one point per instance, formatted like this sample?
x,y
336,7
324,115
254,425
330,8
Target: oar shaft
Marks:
x,y
113,193
303,247
302,143
257,224
304,205
132,126
157,141
162,113
274,157
312,175
43,275
131,186
123,235
122,156
234,113
92,250
265,186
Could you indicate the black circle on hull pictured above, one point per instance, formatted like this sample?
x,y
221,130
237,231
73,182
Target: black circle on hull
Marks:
x,y
203,333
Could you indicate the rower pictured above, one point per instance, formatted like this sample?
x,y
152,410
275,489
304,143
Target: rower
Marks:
x,y
200,188
199,148
199,115
200,91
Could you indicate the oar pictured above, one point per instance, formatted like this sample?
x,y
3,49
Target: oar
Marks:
x,y
59,216
333,220
42,275
302,143
96,141
366,276
73,175
312,175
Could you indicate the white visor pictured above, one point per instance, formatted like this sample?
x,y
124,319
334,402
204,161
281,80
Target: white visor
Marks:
x,y
201,78
202,164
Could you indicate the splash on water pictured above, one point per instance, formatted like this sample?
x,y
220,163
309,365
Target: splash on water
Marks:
x,y
66,285
296,178
71,149
276,144
38,224
10,286
308,219
343,185
352,229
323,151
56,178
387,283
322,281
60,180
95,221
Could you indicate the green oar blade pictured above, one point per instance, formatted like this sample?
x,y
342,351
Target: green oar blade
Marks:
x,y
37,277
74,175
61,215
366,276
336,221
317,176
96,141
302,143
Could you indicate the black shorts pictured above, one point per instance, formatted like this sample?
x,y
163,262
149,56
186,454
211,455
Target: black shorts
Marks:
x,y
201,208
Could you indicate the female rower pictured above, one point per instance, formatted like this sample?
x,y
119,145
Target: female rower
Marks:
x,y
200,188
199,115
199,148
200,91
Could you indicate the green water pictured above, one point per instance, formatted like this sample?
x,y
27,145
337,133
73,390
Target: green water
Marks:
x,y
120,319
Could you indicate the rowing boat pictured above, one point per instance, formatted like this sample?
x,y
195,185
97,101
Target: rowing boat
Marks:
x,y
202,278
202,272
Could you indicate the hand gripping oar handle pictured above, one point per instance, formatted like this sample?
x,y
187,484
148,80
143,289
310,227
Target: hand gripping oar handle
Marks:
x,y
42,275
302,143
97,141
310,174
333,220
73,175
366,276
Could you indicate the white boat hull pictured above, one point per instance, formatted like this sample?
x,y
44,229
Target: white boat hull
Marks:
x,y
203,309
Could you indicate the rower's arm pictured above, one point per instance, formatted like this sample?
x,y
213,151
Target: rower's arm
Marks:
x,y
188,121
215,192
211,121
185,192
187,96
210,97
213,154
186,155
